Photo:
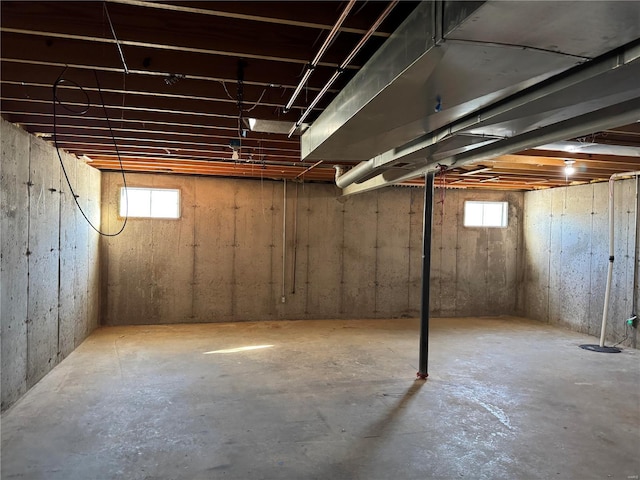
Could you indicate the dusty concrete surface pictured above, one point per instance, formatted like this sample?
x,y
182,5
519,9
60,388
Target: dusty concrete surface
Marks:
x,y
507,398
222,260
566,251
49,269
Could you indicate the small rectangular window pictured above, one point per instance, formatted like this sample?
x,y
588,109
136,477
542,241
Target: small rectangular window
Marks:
x,y
485,214
149,202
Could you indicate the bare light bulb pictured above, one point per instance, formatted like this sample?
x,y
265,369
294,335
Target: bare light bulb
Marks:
x,y
569,169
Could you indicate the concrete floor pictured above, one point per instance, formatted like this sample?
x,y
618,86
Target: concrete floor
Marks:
x,y
507,398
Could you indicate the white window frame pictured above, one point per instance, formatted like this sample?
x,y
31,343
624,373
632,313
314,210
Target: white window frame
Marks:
x,y
484,221
132,213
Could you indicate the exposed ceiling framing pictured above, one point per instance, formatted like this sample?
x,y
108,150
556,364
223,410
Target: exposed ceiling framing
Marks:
x,y
197,71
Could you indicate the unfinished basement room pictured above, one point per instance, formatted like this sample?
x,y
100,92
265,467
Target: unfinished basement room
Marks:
x,y
333,240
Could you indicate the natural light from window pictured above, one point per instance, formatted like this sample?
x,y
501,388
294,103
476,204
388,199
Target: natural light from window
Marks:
x,y
239,349
149,202
485,214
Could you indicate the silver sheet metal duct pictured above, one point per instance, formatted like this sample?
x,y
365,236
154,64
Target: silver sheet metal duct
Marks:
x,y
543,108
609,117
529,64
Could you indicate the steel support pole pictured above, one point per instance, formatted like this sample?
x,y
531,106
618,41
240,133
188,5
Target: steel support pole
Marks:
x,y
427,224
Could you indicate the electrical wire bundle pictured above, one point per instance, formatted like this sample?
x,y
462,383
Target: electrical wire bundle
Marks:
x,y
56,101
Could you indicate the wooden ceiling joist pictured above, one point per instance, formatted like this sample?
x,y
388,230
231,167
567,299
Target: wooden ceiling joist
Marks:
x,y
178,108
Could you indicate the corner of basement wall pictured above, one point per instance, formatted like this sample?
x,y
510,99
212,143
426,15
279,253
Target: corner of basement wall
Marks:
x,y
566,257
49,264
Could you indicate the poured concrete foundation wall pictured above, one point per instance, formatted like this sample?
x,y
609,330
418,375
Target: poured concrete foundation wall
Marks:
x,y
222,261
566,240
49,268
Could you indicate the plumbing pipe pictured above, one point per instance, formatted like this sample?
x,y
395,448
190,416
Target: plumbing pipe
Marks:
x,y
580,74
323,48
344,64
356,173
315,101
284,238
369,33
607,292
603,119
309,169
634,301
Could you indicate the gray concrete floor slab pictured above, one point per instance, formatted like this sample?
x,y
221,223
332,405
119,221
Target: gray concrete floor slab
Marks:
x,y
506,398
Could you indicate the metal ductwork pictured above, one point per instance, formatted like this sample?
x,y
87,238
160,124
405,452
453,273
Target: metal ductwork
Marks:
x,y
521,119
601,119
460,76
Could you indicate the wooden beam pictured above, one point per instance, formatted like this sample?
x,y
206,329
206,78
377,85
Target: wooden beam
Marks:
x,y
166,47
243,16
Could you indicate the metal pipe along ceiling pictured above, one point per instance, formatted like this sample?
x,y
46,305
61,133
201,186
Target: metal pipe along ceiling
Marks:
x,y
588,71
344,64
602,119
323,48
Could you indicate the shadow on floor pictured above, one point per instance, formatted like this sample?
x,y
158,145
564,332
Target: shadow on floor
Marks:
x,y
363,449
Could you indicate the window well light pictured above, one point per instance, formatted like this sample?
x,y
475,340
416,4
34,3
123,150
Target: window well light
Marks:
x,y
569,169
252,123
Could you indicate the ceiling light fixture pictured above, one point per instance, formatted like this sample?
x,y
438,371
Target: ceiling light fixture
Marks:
x,y
569,169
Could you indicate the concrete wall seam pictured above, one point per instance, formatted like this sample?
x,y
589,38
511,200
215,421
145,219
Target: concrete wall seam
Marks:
x,y
569,262
358,258
49,270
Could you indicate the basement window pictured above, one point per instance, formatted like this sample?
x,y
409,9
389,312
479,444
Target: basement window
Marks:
x,y
485,214
149,202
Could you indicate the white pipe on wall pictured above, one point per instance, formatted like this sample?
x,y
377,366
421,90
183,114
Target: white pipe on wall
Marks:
x,y
607,292
634,302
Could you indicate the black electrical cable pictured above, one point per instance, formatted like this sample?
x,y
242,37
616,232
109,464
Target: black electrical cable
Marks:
x,y
87,102
56,100
626,331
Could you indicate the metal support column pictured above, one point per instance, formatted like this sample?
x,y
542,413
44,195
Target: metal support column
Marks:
x,y
427,224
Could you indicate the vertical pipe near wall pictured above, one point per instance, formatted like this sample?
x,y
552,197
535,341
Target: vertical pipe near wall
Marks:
x,y
607,292
284,239
295,243
634,300
427,225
